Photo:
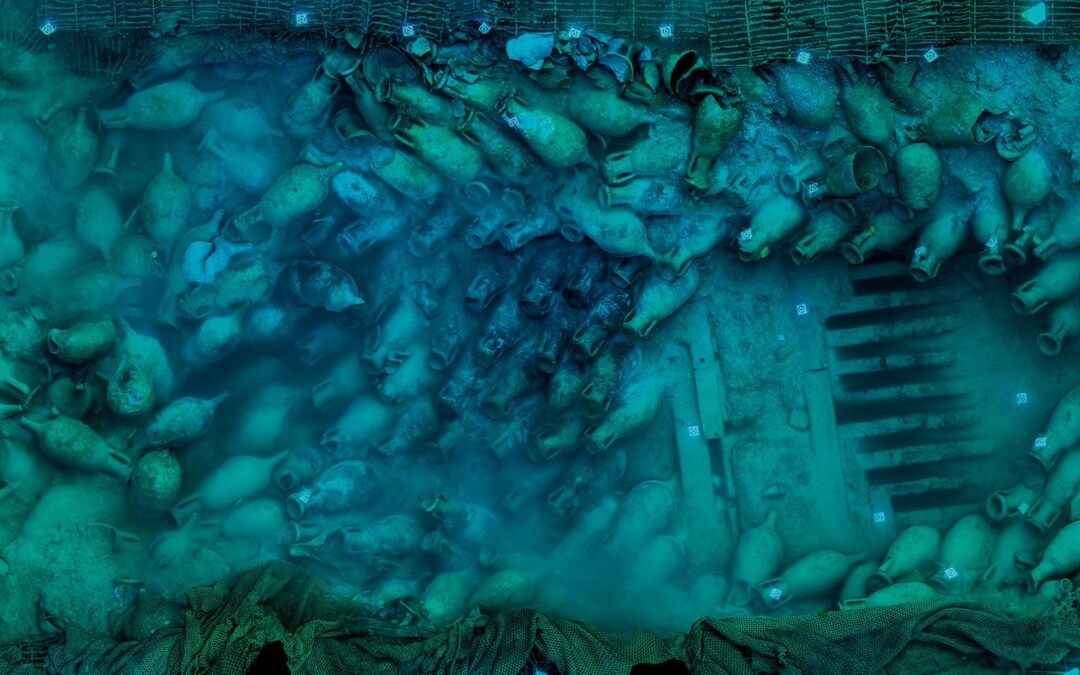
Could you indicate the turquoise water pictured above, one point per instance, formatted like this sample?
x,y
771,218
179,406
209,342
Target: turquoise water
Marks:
x,y
621,339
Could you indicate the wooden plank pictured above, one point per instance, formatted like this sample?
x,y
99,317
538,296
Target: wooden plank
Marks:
x,y
710,395
707,533
924,454
826,466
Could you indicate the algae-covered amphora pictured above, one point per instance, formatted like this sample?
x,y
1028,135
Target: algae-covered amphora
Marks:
x,y
565,384
445,151
249,168
1060,486
182,422
505,329
1010,503
810,93
547,274
238,478
415,100
162,107
321,284
468,523
659,299
914,547
990,227
664,151
605,372
1062,326
1058,280
645,511
1065,235
603,110
812,575
341,487
856,173
896,594
619,231
590,271
72,444
854,585
82,342
955,122
155,483
636,406
384,347
301,465
553,138
1062,432
657,562
406,173
445,597
823,234
1036,228
1013,543
714,127
1060,559
758,554
73,152
215,338
555,338
130,392
963,553
504,154
699,235
940,240
1026,184
136,255
603,320
240,120
774,221
308,107
166,204
417,422
173,545
883,233
11,244
588,476
867,110
98,221
918,175
298,191
653,195
262,521
358,426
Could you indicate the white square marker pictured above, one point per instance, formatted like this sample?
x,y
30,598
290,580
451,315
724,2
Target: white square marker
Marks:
x,y
746,235
574,32
801,309
1040,442
802,57
408,30
484,28
666,30
879,516
300,18
931,55
1021,399
693,431
47,28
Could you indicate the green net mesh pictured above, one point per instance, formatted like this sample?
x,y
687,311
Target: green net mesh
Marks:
x,y
730,32
229,624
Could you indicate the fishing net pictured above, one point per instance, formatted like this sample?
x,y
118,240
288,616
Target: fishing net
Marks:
x,y
730,32
280,613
